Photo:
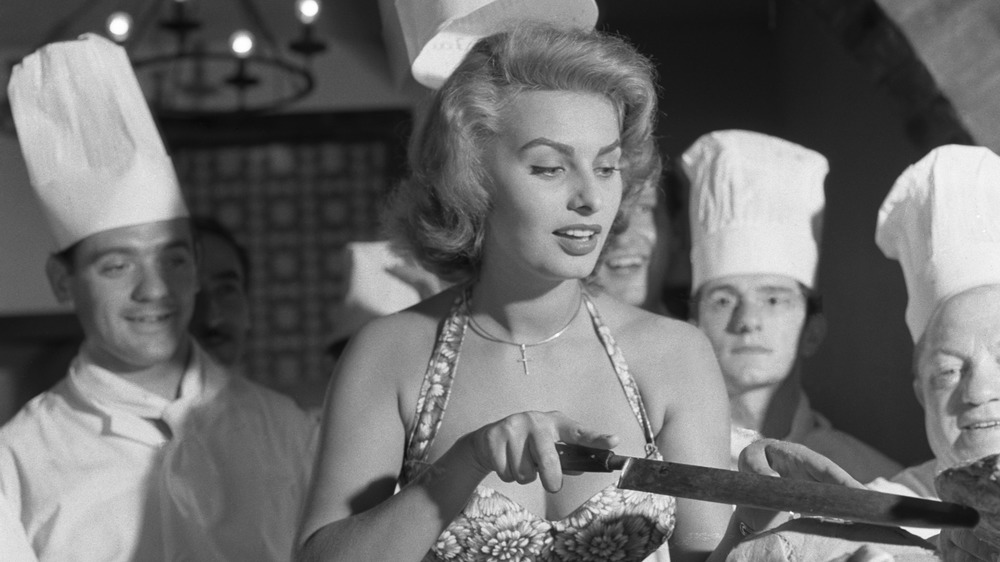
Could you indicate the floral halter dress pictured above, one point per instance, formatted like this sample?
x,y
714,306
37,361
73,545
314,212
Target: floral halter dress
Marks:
x,y
614,524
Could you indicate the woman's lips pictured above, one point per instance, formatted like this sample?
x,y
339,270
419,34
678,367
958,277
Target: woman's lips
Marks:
x,y
578,239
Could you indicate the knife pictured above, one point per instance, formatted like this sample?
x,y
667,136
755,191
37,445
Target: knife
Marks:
x,y
767,492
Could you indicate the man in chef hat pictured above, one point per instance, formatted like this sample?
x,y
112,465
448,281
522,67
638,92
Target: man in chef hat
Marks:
x,y
941,221
756,213
147,449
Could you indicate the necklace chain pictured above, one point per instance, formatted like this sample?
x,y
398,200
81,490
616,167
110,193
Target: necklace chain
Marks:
x,y
523,347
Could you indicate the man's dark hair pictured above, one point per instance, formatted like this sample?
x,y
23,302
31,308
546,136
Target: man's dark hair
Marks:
x,y
201,225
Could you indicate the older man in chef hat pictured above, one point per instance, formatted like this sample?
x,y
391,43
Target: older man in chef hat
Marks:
x,y
941,221
147,449
756,213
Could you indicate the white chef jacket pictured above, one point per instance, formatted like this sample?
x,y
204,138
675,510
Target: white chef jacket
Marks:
x,y
811,429
14,545
93,479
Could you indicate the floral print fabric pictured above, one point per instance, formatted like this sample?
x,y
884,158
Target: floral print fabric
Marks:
x,y
614,525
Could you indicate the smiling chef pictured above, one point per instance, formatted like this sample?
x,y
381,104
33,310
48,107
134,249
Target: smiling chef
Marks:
x,y
147,449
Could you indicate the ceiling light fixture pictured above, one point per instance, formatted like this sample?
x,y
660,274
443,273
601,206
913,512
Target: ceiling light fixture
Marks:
x,y
187,76
186,66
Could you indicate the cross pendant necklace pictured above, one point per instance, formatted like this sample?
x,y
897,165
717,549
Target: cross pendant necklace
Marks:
x,y
522,347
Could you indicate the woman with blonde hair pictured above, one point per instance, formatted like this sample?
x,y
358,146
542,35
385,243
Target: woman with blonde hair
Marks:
x,y
518,172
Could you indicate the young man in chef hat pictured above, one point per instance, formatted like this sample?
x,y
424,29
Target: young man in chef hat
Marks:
x,y
756,213
941,221
147,449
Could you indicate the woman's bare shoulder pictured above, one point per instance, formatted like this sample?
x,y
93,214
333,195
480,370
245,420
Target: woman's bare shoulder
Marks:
x,y
644,328
657,347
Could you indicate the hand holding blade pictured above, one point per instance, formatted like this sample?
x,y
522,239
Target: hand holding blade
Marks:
x,y
767,492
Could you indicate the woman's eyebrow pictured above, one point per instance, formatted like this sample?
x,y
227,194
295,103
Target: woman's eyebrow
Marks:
x,y
565,148
543,141
610,148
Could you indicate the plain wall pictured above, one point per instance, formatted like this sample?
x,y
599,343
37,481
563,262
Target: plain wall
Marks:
x,y
861,376
25,240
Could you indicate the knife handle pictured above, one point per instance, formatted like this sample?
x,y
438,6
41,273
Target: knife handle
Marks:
x,y
577,458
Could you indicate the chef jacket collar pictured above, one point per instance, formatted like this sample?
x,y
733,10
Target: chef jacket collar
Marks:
x,y
128,408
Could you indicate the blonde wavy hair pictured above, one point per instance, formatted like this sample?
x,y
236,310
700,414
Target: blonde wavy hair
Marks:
x,y
438,213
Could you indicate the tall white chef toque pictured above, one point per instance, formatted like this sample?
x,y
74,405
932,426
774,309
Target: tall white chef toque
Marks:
x,y
438,33
756,206
94,156
941,221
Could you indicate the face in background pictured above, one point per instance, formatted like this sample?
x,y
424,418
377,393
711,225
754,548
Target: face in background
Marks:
x,y
958,376
133,290
221,321
756,325
556,184
636,259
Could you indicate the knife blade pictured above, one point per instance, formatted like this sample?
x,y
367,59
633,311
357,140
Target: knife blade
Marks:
x,y
767,492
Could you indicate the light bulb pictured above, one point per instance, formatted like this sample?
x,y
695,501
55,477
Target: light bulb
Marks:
x,y
241,43
307,10
119,26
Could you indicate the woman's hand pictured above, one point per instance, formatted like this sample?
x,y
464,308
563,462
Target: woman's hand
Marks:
x,y
773,457
521,447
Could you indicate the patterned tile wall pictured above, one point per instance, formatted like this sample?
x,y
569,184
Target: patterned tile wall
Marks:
x,y
293,206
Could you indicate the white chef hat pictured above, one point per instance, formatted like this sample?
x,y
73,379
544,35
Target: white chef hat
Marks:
x,y
756,206
941,221
438,33
375,286
94,156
